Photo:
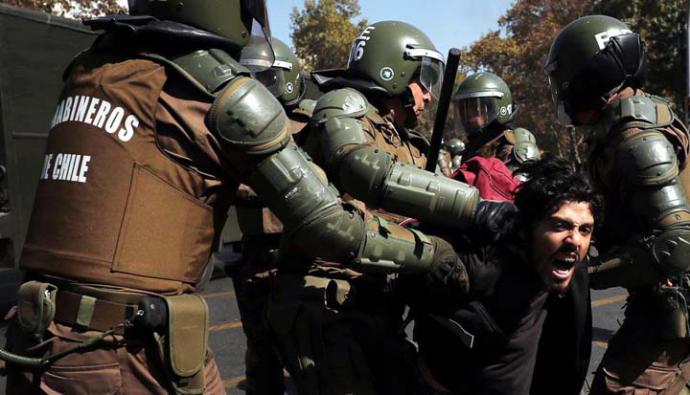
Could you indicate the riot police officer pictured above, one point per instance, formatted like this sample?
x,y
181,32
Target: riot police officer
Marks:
x,y
361,135
156,126
450,158
638,157
277,67
484,109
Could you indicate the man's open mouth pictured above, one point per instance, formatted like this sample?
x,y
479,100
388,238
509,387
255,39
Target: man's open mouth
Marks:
x,y
563,266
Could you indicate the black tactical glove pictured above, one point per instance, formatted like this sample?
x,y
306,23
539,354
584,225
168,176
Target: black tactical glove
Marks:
x,y
450,273
446,285
493,221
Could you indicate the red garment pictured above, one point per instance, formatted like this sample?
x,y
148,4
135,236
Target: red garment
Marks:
x,y
493,179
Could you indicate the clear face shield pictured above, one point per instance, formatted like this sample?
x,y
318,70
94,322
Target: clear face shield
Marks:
x,y
431,69
273,78
474,113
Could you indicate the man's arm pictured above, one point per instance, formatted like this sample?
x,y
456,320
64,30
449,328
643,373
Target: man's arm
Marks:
x,y
371,175
651,185
252,126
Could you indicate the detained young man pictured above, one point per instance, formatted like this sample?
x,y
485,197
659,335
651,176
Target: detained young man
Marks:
x,y
489,343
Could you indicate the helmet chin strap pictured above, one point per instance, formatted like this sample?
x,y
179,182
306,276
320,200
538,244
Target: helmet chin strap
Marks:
x,y
407,99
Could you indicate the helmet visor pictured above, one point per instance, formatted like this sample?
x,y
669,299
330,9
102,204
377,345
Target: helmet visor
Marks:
x,y
475,113
430,70
431,76
272,79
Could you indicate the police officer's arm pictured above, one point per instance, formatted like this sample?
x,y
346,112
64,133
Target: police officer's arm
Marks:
x,y
252,126
651,184
371,175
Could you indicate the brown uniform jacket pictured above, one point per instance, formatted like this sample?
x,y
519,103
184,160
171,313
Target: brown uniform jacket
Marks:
x,y
134,187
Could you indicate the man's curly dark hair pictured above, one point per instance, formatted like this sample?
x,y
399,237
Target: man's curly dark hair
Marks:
x,y
551,182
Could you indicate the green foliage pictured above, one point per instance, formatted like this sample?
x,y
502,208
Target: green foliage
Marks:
x,y
78,9
518,50
324,31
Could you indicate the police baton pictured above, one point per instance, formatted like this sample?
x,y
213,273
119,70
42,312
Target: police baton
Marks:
x,y
442,108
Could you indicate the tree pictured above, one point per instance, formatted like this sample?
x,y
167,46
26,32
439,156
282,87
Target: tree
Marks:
x,y
517,53
324,31
78,9
518,49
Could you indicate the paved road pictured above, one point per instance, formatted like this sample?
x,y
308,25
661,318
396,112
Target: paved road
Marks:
x,y
227,339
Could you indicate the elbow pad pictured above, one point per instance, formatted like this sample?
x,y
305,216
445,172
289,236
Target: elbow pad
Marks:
x,y
321,227
369,174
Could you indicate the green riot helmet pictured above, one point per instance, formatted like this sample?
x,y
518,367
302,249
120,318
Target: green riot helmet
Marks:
x,y
392,54
234,20
276,67
454,146
592,58
481,99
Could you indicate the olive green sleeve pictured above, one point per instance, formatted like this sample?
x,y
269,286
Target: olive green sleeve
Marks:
x,y
252,126
650,182
372,175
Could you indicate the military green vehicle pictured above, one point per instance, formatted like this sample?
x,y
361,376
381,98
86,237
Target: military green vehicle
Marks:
x,y
34,49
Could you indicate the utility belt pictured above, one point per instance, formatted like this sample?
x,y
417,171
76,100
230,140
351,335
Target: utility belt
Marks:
x,y
95,313
178,324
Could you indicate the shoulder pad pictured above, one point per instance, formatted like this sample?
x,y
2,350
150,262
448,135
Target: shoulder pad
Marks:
x,y
208,70
340,103
640,112
647,158
247,117
526,147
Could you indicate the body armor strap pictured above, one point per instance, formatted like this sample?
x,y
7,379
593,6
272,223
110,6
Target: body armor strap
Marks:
x,y
640,112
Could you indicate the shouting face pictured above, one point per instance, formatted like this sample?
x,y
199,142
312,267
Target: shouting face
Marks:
x,y
560,243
